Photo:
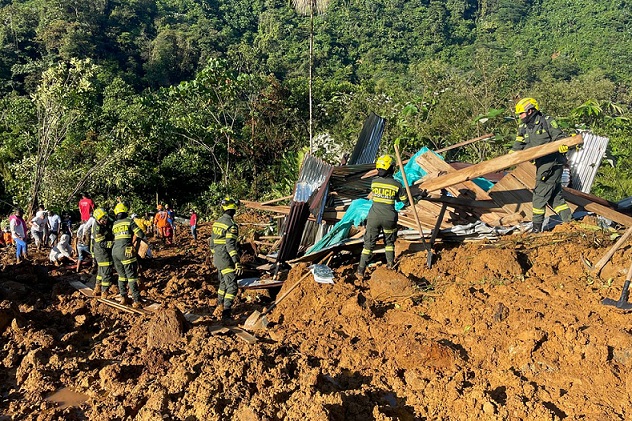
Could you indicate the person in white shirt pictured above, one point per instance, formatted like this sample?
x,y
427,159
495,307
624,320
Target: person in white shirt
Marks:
x,y
38,228
61,251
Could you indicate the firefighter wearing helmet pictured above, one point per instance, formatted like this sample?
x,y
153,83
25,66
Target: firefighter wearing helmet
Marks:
x,y
225,252
124,254
382,217
536,129
102,251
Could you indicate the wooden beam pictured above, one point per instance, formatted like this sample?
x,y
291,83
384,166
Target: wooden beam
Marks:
x,y
467,142
498,164
584,201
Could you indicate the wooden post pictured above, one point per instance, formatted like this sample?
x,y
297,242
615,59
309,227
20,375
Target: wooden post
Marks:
x,y
412,203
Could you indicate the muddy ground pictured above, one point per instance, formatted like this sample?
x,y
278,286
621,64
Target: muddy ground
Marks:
x,y
511,330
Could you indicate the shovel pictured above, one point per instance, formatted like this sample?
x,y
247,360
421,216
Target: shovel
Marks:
x,y
258,320
596,269
623,303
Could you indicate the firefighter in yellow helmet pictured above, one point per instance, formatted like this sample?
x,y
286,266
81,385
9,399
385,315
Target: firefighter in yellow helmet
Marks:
x,y
537,129
382,217
102,251
124,254
225,251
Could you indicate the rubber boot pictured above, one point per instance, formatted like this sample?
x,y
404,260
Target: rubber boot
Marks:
x,y
123,300
226,314
537,227
104,292
360,273
97,290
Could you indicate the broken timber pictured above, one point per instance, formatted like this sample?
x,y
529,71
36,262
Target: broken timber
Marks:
x,y
88,292
497,164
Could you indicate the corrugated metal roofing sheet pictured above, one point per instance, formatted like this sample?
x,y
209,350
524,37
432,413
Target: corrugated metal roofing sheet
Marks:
x,y
314,172
585,162
368,144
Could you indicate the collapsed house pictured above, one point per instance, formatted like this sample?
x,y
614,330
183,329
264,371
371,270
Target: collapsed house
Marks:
x,y
466,201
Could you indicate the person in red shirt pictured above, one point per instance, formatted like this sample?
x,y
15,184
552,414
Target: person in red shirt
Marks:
x,y
193,224
86,206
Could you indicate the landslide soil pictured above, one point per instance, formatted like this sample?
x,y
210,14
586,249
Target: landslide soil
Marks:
x,y
509,330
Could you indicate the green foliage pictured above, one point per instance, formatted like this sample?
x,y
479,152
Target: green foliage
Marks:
x,y
192,100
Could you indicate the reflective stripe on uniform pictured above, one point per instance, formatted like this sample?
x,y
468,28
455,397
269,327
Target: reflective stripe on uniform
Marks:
x,y
387,231
105,264
128,261
219,242
227,270
387,201
229,296
233,253
520,139
560,208
366,251
538,211
389,248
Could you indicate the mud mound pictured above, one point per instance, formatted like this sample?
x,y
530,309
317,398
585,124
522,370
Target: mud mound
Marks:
x,y
165,328
505,331
388,286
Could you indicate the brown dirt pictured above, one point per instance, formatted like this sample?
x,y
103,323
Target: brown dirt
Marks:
x,y
510,330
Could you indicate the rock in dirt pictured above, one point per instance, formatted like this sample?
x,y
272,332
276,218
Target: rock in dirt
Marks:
x,y
165,328
389,286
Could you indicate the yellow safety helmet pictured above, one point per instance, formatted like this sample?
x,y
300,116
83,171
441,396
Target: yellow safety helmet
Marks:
x,y
120,208
385,162
525,104
230,203
99,214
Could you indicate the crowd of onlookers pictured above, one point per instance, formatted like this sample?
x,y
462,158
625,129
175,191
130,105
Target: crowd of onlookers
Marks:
x,y
51,231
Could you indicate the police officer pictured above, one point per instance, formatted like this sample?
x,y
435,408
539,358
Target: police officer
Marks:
x,y
536,129
382,217
223,244
102,251
124,254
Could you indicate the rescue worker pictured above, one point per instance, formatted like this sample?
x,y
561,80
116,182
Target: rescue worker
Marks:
x,y
385,191
124,254
538,129
223,244
102,251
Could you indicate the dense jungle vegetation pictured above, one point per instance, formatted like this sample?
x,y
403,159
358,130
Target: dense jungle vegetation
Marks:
x,y
191,99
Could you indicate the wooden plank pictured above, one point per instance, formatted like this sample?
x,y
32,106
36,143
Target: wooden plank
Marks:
x,y
431,162
498,164
280,199
591,206
493,217
467,142
88,292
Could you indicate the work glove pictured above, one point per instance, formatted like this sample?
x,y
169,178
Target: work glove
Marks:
x,y
239,269
562,149
129,252
418,193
